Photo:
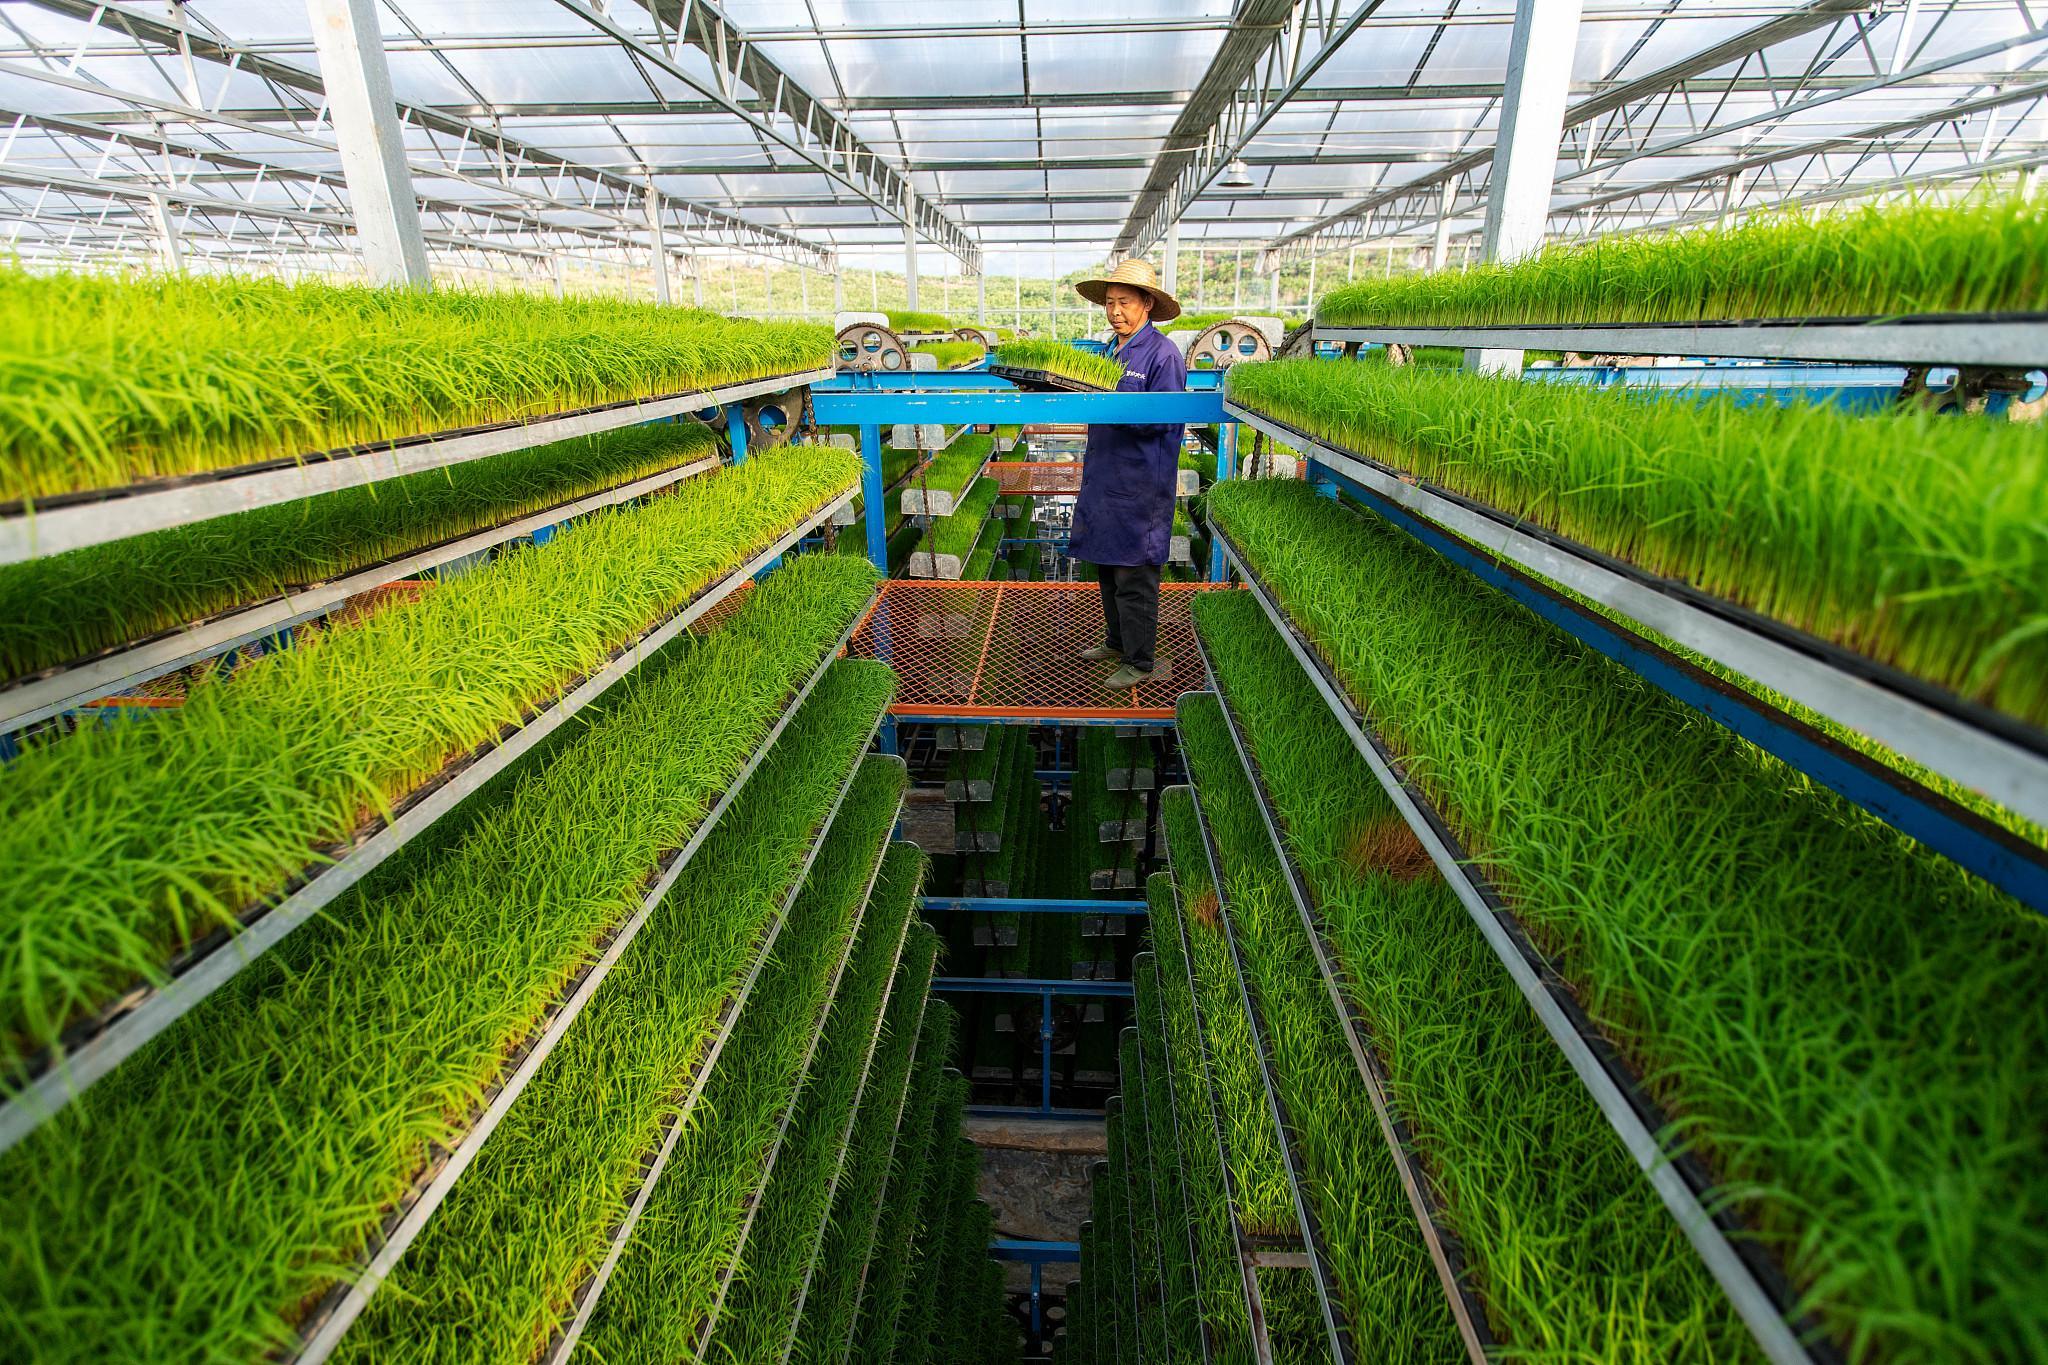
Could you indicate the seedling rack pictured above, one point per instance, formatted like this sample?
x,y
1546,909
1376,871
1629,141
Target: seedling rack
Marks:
x,y
331,1320
2000,757
41,697
1446,1252
1207,1333
1755,1287
144,1014
74,521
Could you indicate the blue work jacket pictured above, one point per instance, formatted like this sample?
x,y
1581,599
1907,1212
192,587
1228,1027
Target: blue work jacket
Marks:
x,y
1125,512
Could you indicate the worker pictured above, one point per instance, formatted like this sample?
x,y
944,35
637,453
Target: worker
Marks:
x,y
1123,521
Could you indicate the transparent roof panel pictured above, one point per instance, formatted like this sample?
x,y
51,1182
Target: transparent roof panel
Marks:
x,y
941,90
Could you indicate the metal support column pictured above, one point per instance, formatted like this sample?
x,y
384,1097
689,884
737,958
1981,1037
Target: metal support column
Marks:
x,y
657,248
838,289
910,245
1440,245
1546,38
980,300
871,496
166,235
1170,276
735,428
1226,465
359,100
1045,1051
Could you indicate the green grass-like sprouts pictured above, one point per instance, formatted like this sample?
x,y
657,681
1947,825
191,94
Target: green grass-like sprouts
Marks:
x,y
124,844
1844,1023
1056,357
104,381
950,354
1591,1266
63,607
1986,255
200,1199
907,320
1918,540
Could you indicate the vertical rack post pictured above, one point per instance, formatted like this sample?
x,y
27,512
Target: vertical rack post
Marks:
x,y
871,496
1045,1051
1226,465
736,430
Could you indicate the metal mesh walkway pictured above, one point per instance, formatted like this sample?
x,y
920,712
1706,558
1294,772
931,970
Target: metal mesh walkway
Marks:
x,y
1049,477
1008,651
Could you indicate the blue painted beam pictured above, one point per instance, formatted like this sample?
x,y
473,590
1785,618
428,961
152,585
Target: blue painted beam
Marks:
x,y
848,407
1032,1250
1022,985
1001,905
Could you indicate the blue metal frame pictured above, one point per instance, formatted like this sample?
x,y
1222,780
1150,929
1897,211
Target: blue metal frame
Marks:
x,y
1997,856
998,905
1037,1255
851,407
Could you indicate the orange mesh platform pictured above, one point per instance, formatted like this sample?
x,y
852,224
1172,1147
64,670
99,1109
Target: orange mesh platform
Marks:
x,y
1059,476
1009,651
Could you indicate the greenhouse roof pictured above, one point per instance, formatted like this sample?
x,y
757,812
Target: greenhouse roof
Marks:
x,y
804,130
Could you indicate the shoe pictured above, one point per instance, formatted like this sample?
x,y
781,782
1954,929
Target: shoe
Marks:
x,y
1125,677
1100,653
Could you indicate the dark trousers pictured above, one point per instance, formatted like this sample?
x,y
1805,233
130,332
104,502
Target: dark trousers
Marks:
x,y
1130,611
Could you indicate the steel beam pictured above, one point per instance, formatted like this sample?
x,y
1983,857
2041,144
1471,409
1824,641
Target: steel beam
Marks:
x,y
359,100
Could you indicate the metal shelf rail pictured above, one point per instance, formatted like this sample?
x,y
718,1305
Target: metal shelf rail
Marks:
x,y
1249,1256
145,1014
844,1146
1996,756
1336,1321
2014,340
330,1321
1446,1253
731,1268
1754,1285
74,521
40,697
1207,1333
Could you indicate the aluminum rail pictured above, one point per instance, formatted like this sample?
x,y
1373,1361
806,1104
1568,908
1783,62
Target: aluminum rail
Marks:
x,y
1994,755
1151,1168
1208,1334
67,1075
1336,1321
1752,1284
330,1321
73,521
45,695
881,1195
563,1344
1446,1252
2005,341
1241,1244
924,997
731,1268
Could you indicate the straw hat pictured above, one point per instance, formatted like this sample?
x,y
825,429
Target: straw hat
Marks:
x,y
1138,274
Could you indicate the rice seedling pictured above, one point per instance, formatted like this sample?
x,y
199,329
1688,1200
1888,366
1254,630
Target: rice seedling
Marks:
x,y
1202,322
1142,1199
904,1068
1757,947
1294,1317
956,534
1218,1282
949,472
908,1334
1392,1303
907,320
108,382
921,1155
65,607
668,1291
1114,1238
255,1149
495,1271
1258,1170
762,1306
1982,256
950,354
1919,541
1058,358
128,844
1590,1267
1166,1173
983,557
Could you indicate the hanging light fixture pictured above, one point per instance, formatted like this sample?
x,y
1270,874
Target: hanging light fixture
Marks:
x,y
1237,175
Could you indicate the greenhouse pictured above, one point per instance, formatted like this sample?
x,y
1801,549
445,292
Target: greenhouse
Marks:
x,y
736,682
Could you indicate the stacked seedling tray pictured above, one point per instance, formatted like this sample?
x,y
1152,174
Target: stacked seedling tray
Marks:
x,y
1608,823
1055,364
